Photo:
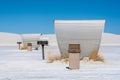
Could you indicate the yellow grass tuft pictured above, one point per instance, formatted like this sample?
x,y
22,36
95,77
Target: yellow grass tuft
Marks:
x,y
65,60
99,58
95,57
24,47
93,54
53,57
63,56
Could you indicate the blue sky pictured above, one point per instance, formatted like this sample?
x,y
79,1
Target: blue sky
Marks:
x,y
37,16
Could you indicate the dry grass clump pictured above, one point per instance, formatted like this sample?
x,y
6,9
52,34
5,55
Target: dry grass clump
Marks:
x,y
99,58
55,57
65,60
95,57
24,47
81,58
85,59
63,56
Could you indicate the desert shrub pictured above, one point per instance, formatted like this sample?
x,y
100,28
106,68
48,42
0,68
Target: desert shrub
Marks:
x,y
53,57
24,47
85,59
63,56
99,58
93,54
65,60
95,57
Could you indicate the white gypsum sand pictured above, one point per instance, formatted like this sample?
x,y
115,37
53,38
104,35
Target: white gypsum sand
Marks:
x,y
26,65
10,39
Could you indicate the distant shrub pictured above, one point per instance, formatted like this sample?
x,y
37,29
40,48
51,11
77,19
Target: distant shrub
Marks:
x,y
24,47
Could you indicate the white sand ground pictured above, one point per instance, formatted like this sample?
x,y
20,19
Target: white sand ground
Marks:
x,y
25,65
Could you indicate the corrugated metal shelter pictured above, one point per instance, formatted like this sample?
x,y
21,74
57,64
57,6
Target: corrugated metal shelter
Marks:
x,y
87,33
31,38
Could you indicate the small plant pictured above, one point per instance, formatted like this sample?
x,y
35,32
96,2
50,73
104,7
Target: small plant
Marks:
x,y
24,47
95,57
65,60
53,57
63,56
56,57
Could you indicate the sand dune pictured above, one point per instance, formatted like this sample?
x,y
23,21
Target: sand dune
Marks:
x,y
109,39
10,39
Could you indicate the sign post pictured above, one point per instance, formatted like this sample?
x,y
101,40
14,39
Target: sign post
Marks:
x,y
42,43
19,44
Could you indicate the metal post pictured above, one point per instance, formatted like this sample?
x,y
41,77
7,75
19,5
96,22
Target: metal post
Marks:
x,y
42,43
19,46
43,57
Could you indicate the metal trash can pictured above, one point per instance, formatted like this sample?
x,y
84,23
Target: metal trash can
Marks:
x,y
29,46
74,56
